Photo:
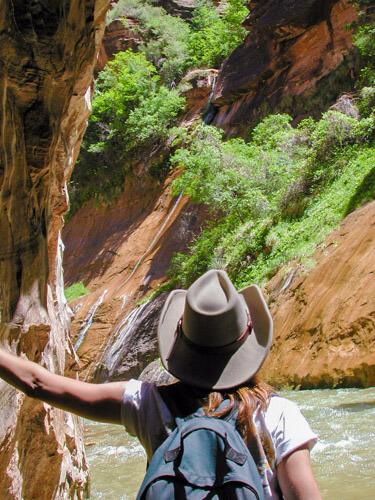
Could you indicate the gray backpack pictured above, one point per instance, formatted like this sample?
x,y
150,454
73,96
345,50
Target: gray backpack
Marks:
x,y
203,458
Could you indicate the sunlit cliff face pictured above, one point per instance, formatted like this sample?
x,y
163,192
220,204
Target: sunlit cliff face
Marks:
x,y
48,51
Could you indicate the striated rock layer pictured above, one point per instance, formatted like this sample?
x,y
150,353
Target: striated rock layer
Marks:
x,y
324,318
296,58
47,55
122,252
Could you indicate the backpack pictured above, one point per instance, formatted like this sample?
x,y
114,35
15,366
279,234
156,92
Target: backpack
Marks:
x,y
203,458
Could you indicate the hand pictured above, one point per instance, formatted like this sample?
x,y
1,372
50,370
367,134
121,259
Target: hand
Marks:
x,y
100,402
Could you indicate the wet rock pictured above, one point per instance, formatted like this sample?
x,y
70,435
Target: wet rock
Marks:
x,y
133,345
197,87
106,250
155,372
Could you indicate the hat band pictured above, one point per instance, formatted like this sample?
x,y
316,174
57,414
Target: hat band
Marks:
x,y
203,349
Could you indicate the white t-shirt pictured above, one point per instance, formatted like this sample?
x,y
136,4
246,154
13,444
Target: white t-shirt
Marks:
x,y
282,428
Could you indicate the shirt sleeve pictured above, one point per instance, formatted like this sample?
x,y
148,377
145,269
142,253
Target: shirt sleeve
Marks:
x,y
131,401
292,430
145,415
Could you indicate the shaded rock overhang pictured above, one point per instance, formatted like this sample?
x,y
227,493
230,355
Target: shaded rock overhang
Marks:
x,y
297,57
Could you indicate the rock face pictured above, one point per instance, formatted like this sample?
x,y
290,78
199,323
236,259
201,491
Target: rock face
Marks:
x,y
296,58
47,53
133,344
118,37
181,8
198,89
324,318
122,252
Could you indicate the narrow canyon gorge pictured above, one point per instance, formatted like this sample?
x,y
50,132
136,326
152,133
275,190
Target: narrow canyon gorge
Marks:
x,y
297,56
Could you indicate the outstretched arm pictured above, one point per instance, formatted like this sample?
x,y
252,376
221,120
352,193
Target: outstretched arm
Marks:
x,y
100,402
296,477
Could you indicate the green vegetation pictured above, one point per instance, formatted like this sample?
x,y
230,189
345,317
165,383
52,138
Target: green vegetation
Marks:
x,y
75,291
275,198
174,45
272,197
135,103
364,40
164,37
131,111
213,37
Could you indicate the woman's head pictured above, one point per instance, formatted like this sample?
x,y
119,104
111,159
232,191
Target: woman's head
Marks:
x,y
212,336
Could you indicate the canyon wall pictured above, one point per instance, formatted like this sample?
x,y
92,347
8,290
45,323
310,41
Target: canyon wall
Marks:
x,y
47,55
122,251
295,52
296,58
324,317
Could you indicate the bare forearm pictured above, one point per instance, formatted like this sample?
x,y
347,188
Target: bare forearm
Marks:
x,y
98,402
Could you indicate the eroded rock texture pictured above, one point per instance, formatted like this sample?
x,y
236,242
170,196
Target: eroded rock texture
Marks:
x,y
296,58
118,37
133,344
47,54
324,318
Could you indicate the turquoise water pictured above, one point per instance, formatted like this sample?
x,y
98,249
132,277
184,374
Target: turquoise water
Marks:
x,y
343,459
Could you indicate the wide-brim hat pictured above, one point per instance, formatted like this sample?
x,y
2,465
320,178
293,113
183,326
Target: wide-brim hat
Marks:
x,y
212,336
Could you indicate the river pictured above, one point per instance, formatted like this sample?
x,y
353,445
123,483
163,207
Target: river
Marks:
x,y
343,459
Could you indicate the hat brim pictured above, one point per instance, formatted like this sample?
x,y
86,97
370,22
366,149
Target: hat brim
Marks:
x,y
213,371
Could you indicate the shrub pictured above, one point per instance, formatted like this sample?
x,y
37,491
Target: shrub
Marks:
x,y
131,110
364,40
174,46
366,102
275,198
213,37
75,291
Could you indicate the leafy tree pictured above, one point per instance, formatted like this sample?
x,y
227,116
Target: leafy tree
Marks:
x,y
276,197
174,46
129,98
213,36
164,38
238,178
131,110
364,40
219,173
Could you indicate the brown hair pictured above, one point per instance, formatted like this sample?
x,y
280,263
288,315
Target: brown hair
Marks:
x,y
183,399
247,398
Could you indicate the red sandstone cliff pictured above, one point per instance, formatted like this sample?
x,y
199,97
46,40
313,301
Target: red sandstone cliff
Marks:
x,y
295,59
47,52
324,317
292,51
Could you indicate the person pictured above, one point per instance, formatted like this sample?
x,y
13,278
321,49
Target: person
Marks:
x,y
213,340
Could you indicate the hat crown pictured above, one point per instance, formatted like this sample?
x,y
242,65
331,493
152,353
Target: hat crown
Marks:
x,y
215,313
